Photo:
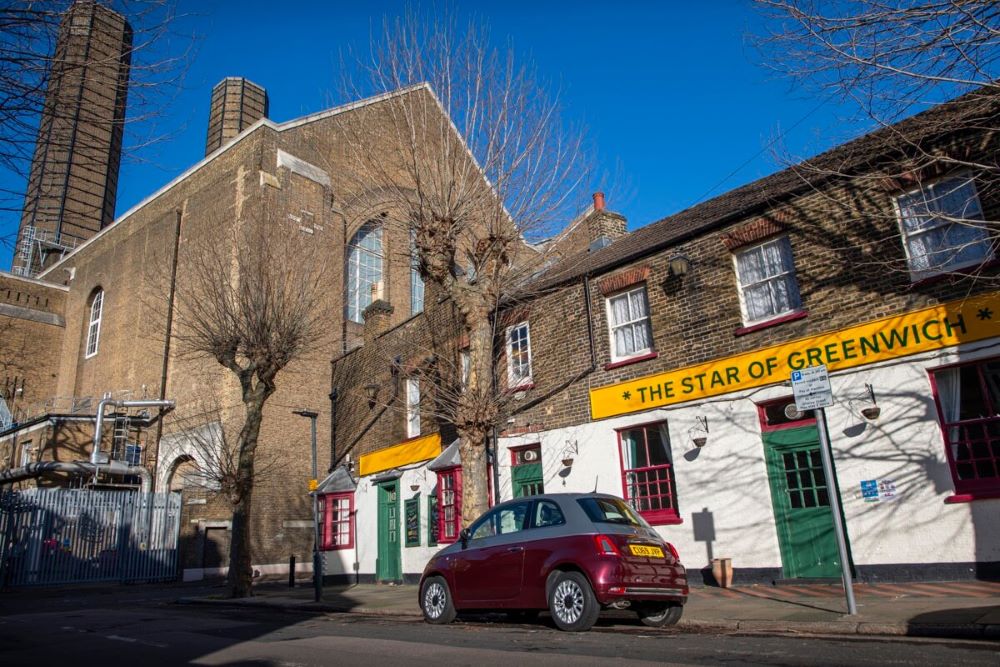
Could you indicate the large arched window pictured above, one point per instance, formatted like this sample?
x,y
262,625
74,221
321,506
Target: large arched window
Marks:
x,y
364,268
94,327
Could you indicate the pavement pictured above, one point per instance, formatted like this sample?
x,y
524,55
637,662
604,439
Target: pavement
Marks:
x,y
968,609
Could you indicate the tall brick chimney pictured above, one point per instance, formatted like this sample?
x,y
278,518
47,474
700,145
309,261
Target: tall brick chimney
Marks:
x,y
377,318
73,182
236,105
603,226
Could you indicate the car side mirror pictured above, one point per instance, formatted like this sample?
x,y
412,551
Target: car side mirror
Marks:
x,y
465,535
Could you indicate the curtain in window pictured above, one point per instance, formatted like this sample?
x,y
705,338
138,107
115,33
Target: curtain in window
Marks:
x,y
949,387
939,222
630,447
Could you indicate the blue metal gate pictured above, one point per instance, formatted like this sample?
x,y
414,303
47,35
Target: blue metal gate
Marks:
x,y
65,536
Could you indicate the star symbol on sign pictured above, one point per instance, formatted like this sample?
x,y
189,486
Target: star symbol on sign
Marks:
x,y
627,395
985,314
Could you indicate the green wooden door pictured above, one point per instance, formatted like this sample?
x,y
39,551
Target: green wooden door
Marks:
x,y
388,566
801,504
527,479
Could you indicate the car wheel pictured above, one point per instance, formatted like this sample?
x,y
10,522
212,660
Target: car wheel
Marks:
x,y
572,603
435,601
660,615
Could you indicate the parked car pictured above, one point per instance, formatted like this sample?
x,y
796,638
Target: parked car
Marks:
x,y
573,554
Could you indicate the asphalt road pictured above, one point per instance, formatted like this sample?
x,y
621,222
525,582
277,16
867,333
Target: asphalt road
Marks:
x,y
149,633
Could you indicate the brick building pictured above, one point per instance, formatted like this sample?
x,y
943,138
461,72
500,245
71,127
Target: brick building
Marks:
x,y
99,320
656,367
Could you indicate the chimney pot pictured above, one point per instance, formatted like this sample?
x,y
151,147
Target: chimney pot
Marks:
x,y
598,201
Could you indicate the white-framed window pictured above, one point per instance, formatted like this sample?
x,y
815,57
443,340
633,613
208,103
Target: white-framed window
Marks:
x,y
412,408
94,328
766,274
416,281
628,323
518,355
365,259
941,226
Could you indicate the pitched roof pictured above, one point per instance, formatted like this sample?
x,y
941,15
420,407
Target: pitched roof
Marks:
x,y
978,109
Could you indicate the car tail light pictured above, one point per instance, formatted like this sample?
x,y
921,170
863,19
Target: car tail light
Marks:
x,y
673,552
605,546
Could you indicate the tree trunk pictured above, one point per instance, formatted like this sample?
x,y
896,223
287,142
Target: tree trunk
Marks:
x,y
475,415
475,500
240,575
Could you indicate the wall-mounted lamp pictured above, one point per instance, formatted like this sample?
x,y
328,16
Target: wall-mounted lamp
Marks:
x,y
371,391
872,411
679,266
696,437
569,451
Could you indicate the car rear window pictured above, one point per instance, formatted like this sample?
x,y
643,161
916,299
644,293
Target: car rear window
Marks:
x,y
611,510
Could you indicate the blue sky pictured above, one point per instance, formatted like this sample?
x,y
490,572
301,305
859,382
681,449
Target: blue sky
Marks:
x,y
675,98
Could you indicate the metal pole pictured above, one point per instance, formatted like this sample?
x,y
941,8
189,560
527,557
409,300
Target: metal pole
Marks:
x,y
838,524
317,560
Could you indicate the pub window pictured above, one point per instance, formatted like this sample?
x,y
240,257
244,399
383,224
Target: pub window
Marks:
x,y
968,399
648,472
337,521
449,497
628,320
942,226
766,274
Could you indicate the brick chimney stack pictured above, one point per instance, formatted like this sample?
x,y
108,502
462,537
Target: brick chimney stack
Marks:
x,y
236,105
377,318
602,224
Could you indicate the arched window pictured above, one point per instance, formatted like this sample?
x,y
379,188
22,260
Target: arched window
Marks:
x,y
94,328
364,268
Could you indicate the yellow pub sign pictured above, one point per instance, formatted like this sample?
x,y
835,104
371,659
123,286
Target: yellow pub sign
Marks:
x,y
964,321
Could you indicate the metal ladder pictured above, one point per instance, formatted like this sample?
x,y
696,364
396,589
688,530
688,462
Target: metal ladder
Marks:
x,y
119,436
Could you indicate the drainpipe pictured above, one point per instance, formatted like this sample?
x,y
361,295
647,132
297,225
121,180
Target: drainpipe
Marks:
x,y
95,455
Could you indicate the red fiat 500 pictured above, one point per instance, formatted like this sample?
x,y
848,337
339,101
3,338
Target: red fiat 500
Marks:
x,y
571,553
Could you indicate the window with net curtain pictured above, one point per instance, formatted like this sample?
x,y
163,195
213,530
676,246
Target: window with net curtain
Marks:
x,y
648,472
416,282
336,521
766,274
628,315
942,227
968,401
365,259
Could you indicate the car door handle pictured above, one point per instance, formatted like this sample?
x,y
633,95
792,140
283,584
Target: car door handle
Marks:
x,y
515,549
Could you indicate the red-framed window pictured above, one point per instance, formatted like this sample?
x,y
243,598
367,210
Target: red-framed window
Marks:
x,y
968,405
337,521
449,496
648,472
776,415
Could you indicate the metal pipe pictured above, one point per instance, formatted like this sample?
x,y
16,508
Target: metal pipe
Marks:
x,y
116,468
105,402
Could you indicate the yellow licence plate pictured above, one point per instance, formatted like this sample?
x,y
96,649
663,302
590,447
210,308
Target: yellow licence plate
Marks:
x,y
641,550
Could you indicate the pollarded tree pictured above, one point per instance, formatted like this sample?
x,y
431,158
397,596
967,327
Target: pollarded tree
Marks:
x,y
251,299
475,162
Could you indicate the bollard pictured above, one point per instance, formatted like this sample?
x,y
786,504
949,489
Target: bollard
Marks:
x,y
291,571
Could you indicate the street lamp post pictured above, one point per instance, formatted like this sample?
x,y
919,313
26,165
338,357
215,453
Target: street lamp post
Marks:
x,y
317,561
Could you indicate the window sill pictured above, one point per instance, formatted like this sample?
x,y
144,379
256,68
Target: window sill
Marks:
x,y
790,317
661,518
521,387
956,273
971,497
343,548
631,360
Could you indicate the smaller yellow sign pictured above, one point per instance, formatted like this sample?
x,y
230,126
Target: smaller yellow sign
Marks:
x,y
406,452
313,485
963,321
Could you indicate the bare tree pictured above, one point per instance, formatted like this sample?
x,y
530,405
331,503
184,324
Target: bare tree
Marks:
x,y
251,300
155,60
476,164
887,60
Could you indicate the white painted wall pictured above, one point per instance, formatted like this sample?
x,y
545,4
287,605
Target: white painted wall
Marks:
x,y
728,477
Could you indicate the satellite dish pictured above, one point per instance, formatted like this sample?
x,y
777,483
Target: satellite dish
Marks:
x,y
792,413
529,455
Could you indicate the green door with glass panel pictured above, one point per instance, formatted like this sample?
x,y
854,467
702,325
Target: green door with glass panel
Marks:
x,y
388,566
801,504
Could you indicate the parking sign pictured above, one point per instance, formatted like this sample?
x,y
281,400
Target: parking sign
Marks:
x,y
811,388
